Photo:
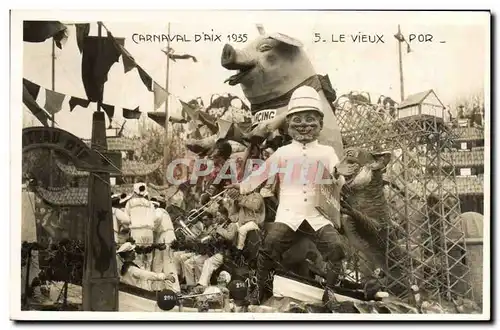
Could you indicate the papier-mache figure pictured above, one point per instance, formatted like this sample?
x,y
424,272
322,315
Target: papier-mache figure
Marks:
x,y
134,275
121,220
296,167
163,234
142,216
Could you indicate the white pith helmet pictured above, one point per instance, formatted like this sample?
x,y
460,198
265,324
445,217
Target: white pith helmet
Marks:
x,y
305,98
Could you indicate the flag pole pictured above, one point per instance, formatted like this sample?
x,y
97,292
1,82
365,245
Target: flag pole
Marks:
x,y
166,146
53,85
401,81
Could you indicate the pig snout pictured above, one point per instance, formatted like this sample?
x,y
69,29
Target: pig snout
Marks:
x,y
233,59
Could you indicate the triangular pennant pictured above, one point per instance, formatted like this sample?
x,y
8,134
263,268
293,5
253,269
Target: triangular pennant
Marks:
x,y
109,110
32,88
400,37
60,38
35,109
160,95
53,101
82,31
146,79
131,114
74,101
157,117
128,60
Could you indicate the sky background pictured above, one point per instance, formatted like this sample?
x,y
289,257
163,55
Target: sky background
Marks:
x,y
454,69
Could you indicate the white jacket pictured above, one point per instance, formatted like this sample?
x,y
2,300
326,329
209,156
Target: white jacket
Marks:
x,y
141,213
120,218
164,227
297,168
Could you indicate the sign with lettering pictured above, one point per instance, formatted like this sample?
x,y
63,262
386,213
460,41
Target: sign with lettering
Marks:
x,y
328,202
84,158
263,116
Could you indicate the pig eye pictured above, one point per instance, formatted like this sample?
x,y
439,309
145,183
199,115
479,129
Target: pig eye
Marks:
x,y
265,48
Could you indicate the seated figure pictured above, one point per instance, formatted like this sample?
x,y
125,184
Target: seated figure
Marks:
x,y
134,275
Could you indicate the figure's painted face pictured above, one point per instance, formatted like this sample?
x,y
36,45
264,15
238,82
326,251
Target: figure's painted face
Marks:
x,y
367,165
305,126
130,256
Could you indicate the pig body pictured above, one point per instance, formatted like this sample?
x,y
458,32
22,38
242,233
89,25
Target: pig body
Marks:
x,y
270,68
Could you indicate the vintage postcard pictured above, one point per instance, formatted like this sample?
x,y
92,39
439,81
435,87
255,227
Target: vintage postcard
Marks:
x,y
244,165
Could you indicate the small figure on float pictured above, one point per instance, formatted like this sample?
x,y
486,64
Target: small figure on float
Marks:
x,y
132,274
164,233
121,220
142,216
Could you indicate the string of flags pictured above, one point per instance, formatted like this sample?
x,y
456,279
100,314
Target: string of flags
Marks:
x,y
98,55
54,102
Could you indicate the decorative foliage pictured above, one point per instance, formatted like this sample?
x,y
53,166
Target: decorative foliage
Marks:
x,y
151,148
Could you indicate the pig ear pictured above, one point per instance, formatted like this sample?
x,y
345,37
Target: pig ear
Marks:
x,y
382,159
286,39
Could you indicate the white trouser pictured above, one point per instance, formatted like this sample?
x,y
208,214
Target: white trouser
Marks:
x,y
163,262
143,237
179,257
209,267
243,231
192,268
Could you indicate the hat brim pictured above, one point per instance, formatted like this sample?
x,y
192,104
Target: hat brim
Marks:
x,y
123,200
132,248
304,109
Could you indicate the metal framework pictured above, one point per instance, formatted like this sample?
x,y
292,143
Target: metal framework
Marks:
x,y
425,244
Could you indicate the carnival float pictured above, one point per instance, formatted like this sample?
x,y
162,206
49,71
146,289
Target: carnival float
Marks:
x,y
408,241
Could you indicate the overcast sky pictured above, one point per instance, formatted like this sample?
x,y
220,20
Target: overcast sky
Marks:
x,y
453,68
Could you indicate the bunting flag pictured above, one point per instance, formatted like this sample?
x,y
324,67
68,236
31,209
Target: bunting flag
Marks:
x,y
401,38
32,88
99,54
199,116
109,110
82,31
160,94
170,53
131,114
39,31
35,109
127,59
53,101
74,101
146,78
158,117
208,120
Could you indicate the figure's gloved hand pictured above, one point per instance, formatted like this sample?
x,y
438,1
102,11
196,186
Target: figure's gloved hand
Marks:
x,y
170,277
346,169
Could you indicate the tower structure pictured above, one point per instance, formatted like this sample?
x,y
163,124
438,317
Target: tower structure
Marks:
x,y
425,242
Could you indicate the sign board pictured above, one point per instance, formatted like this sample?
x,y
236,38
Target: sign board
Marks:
x,y
263,115
84,158
327,202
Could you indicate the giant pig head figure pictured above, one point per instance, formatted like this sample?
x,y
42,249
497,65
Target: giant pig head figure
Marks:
x,y
269,69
